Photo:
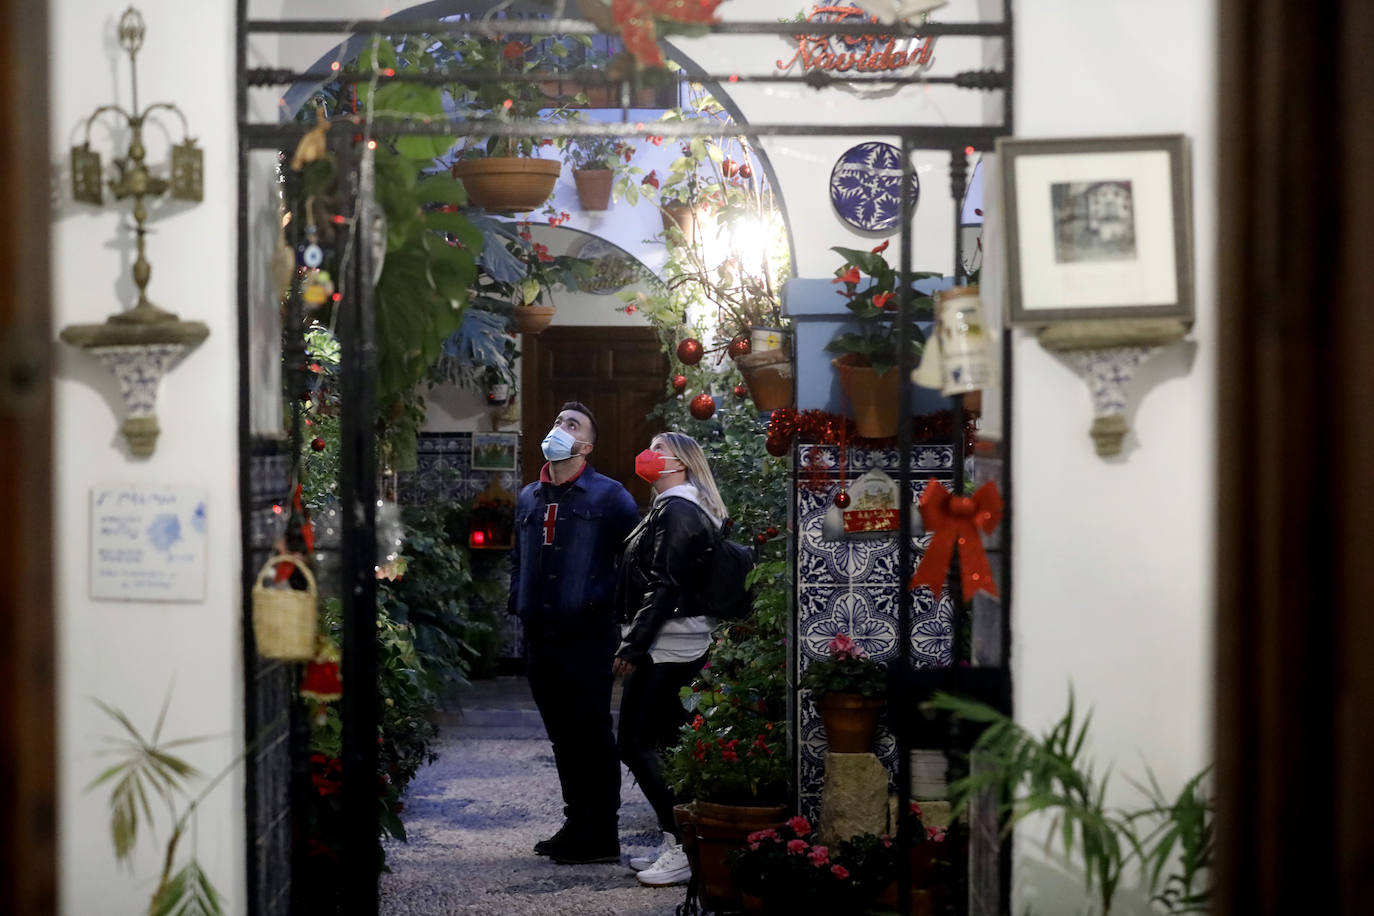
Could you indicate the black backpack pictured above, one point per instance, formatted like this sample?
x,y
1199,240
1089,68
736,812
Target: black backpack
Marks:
x,y
724,594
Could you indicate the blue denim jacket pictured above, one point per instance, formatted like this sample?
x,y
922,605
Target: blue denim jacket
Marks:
x,y
568,586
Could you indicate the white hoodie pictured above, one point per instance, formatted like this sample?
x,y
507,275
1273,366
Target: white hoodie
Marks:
x,y
684,639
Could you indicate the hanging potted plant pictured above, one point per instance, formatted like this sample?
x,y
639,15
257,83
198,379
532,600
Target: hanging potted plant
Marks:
x,y
504,174
596,164
869,358
848,689
532,294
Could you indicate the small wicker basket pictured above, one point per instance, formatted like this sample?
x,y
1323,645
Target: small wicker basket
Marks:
x,y
284,617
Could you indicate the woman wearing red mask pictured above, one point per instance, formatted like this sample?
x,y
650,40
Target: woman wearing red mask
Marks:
x,y
667,628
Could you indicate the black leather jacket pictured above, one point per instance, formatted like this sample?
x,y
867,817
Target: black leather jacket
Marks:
x,y
660,572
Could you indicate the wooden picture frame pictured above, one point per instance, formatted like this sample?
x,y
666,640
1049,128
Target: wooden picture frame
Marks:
x,y
1097,228
495,452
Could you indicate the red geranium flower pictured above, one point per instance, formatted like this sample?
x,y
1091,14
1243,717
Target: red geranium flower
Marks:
x,y
514,50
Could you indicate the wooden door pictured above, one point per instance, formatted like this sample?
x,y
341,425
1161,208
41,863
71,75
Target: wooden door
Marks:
x,y
28,766
619,373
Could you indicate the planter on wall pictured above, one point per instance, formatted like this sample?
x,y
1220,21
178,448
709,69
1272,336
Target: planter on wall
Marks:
x,y
508,184
681,216
875,398
593,188
531,319
768,375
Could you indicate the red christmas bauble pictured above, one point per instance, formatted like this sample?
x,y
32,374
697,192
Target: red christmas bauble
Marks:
x,y
777,447
730,168
689,351
745,170
761,538
772,531
703,406
741,391
739,347
679,383
842,499
317,444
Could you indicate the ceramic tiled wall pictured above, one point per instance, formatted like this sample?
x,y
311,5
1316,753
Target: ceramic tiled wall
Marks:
x,y
850,586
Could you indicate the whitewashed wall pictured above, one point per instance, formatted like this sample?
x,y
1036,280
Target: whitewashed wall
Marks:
x,y
1114,558
131,654
1114,571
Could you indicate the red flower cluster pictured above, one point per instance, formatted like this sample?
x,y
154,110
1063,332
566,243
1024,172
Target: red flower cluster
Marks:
x,y
651,179
560,219
326,773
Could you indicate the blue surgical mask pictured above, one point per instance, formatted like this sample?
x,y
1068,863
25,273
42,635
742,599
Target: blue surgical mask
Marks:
x,y
558,444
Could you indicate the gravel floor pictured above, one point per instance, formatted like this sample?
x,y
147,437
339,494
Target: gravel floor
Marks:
x,y
473,816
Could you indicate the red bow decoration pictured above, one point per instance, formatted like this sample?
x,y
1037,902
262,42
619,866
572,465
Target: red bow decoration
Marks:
x,y
955,521
637,27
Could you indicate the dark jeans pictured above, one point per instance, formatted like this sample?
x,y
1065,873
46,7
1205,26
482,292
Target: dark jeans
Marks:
x,y
571,680
650,715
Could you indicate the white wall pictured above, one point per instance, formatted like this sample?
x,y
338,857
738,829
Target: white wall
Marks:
x,y
130,654
1113,566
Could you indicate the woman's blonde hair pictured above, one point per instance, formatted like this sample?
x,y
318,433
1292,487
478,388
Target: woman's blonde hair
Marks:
x,y
698,470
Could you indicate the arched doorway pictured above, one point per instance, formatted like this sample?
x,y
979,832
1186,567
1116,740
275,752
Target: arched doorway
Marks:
x,y
912,138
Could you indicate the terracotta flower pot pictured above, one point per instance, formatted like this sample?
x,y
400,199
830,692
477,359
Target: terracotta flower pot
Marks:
x,y
508,184
850,721
593,188
876,398
531,319
769,376
710,832
681,216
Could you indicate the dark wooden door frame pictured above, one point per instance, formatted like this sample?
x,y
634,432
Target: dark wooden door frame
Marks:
x,y
28,707
1295,572
541,398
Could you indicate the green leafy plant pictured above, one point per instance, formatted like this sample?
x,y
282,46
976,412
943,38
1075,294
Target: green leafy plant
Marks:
x,y
146,768
1053,775
730,753
847,670
873,304
611,153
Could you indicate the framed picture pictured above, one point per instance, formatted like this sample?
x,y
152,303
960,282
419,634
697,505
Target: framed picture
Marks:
x,y
495,452
1097,228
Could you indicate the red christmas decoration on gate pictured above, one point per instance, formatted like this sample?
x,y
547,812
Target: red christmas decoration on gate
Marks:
x,y
703,406
689,351
955,522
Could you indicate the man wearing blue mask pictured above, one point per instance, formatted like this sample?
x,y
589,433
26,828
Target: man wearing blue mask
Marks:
x,y
570,525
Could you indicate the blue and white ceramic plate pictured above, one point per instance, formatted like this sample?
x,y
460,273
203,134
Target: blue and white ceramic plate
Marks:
x,y
866,186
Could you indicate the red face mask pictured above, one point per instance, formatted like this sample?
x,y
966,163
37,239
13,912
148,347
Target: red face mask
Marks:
x,y
650,465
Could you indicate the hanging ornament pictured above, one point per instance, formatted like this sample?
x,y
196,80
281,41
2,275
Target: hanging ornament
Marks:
x,y
316,288
679,383
321,681
317,444
777,446
761,538
309,254
740,346
842,499
689,351
771,531
703,406
741,390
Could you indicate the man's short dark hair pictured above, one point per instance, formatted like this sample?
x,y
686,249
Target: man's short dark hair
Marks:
x,y
582,409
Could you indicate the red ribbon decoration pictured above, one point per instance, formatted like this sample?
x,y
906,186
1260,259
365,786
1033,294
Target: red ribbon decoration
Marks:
x,y
955,521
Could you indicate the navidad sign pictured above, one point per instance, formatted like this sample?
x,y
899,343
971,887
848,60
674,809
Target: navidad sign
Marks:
x,y
869,53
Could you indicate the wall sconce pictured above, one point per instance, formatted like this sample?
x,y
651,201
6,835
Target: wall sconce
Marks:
x,y
143,343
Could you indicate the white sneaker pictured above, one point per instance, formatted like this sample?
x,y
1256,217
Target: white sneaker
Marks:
x,y
671,868
639,863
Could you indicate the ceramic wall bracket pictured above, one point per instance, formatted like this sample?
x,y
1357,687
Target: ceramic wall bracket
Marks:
x,y
139,347
1106,354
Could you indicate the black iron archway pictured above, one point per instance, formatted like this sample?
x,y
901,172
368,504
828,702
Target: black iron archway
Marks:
x,y
268,794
